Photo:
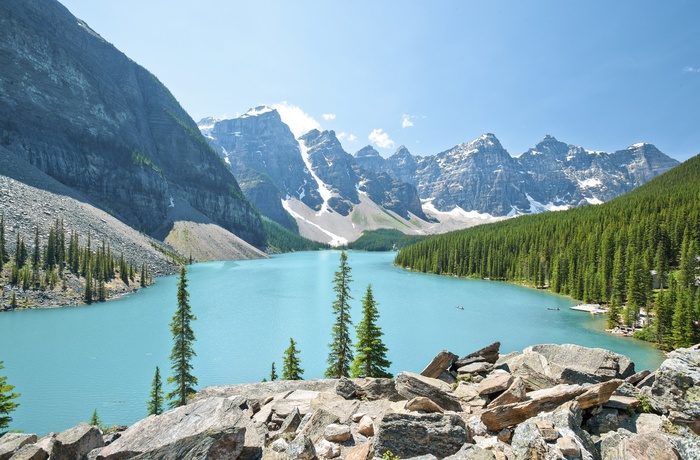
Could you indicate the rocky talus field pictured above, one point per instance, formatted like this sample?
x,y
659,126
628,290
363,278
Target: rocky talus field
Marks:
x,y
547,402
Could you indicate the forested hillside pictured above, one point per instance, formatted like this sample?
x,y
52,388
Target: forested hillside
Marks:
x,y
615,253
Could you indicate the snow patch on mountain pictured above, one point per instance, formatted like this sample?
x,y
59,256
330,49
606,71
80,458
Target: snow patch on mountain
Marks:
x,y
536,207
455,213
323,189
335,241
591,182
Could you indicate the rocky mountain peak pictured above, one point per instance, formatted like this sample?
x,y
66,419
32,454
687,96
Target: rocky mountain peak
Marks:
x,y
367,152
259,110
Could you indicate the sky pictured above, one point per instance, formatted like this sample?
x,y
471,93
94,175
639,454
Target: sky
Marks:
x,y
428,75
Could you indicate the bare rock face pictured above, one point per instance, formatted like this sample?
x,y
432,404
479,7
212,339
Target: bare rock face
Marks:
x,y
676,389
412,435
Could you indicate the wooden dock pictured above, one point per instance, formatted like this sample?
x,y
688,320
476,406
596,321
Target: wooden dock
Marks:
x,y
592,308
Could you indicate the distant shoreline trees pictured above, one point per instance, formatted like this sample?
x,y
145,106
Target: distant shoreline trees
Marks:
x,y
60,254
625,252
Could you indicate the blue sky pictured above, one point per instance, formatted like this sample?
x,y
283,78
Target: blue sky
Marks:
x,y
429,75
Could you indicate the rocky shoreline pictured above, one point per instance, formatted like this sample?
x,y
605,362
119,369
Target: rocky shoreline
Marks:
x,y
548,402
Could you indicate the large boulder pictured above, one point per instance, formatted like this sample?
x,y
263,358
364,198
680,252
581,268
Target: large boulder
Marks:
x,y
499,417
410,385
570,363
12,442
412,435
376,389
30,452
76,442
676,390
647,446
187,421
213,444
440,363
554,434
487,354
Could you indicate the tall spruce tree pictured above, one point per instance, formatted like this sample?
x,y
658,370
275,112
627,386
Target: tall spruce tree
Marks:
x,y
340,356
291,369
370,351
273,373
3,253
182,352
7,404
155,404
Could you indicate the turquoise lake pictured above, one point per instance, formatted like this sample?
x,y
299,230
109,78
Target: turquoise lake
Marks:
x,y
67,362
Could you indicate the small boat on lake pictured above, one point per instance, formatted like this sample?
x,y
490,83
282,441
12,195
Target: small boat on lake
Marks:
x,y
459,307
554,309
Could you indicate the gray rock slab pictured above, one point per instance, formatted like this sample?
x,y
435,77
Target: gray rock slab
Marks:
x,y
412,435
410,385
211,444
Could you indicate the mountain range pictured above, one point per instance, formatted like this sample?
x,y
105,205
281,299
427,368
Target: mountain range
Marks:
x,y
76,109
301,182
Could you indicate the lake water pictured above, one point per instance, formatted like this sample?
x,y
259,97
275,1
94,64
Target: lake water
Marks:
x,y
67,362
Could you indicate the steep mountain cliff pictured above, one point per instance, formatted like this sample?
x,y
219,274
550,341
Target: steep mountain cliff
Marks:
x,y
77,109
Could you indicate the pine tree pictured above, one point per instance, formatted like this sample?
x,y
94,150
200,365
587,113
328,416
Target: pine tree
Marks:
x,y
182,352
291,363
155,405
3,253
142,277
7,404
273,373
95,419
370,357
88,294
340,357
13,301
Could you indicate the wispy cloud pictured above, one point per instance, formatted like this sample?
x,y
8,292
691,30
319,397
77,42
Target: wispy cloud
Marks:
x,y
406,121
328,116
690,69
348,137
299,122
381,139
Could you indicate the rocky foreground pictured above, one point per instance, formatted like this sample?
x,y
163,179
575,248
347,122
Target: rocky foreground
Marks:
x,y
548,402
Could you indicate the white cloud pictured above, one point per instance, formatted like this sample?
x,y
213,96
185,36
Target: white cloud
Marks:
x,y
381,139
328,116
406,121
346,136
298,121
690,69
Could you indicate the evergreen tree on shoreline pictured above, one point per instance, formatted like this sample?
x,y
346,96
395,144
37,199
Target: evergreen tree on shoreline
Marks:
x,y
340,357
370,357
7,404
291,363
182,351
155,405
273,373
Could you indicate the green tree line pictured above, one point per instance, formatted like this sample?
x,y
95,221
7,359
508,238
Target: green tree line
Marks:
x,y
615,253
45,264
